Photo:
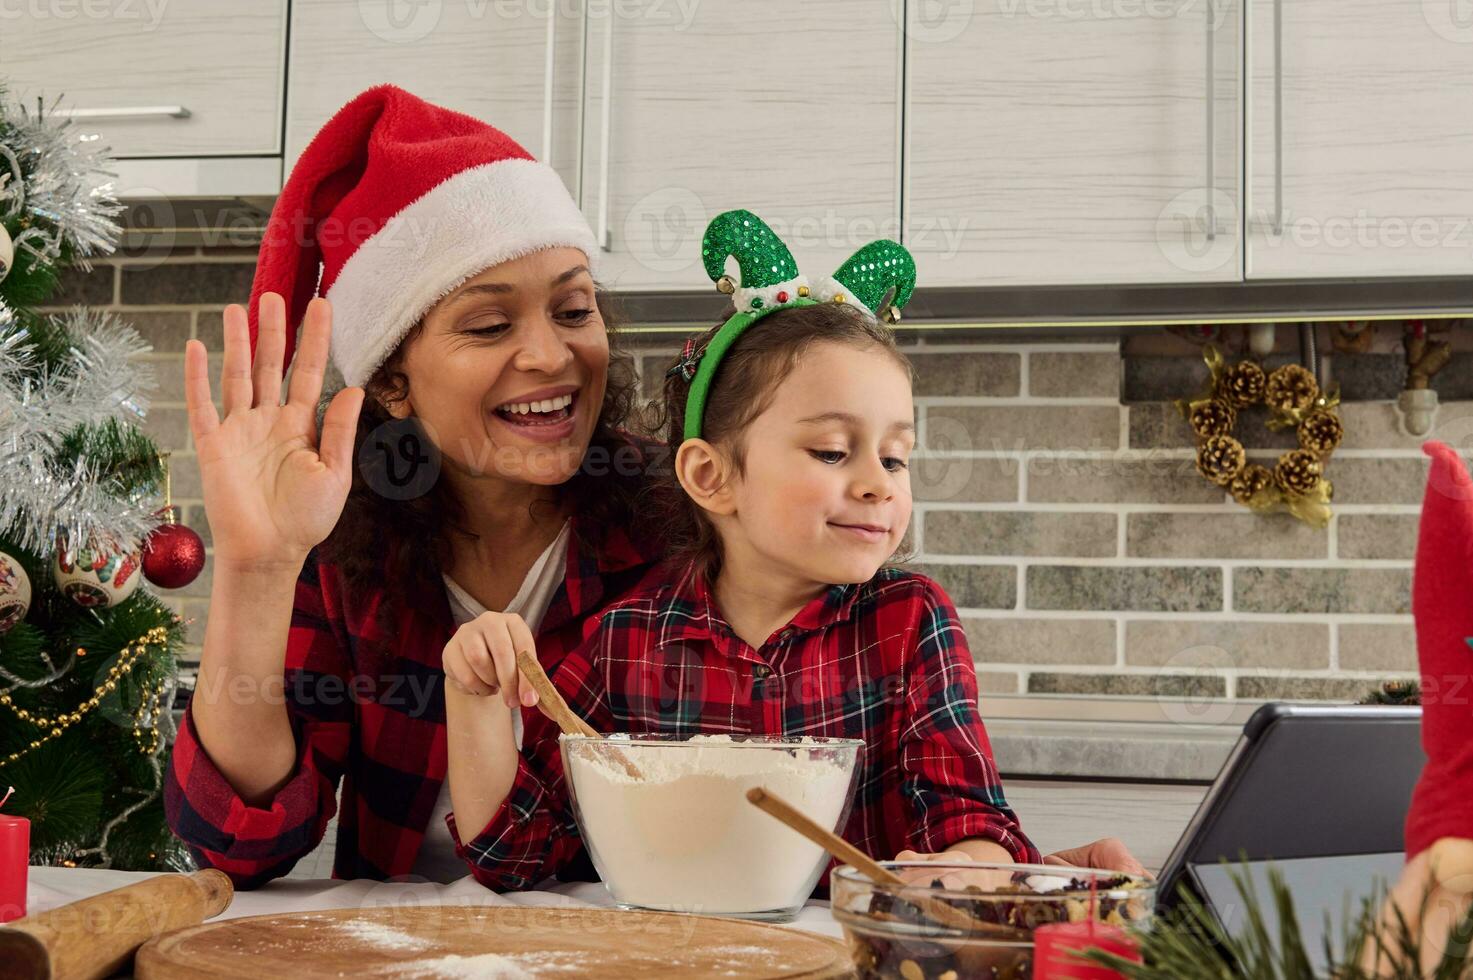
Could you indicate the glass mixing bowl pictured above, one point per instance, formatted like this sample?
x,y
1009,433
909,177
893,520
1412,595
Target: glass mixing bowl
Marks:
x,y
891,933
668,825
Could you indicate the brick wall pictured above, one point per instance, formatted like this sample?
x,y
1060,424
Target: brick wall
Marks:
x,y
1069,526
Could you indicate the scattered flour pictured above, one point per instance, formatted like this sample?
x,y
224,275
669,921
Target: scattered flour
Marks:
x,y
486,966
684,838
382,936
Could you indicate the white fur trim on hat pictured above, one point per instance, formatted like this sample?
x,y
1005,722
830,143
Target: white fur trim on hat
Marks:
x,y
478,218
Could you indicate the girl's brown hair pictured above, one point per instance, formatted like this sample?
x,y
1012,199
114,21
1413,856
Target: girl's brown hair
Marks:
x,y
405,543
744,386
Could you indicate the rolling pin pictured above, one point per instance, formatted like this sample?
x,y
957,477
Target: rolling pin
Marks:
x,y
96,937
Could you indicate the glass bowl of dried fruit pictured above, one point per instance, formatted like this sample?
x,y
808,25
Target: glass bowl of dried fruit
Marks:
x,y
949,921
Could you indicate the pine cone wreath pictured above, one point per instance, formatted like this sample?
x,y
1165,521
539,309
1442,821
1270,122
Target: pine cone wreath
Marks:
x,y
1321,432
1291,388
1395,692
1252,480
1214,418
1220,458
1298,472
1243,384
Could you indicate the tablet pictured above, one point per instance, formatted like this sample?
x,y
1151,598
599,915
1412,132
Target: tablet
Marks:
x,y
1319,793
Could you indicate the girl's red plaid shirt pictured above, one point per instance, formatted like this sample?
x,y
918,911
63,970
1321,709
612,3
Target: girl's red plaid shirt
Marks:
x,y
885,661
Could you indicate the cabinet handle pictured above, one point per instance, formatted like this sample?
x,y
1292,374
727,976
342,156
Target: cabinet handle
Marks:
x,y
604,138
1278,117
1211,128
129,112
547,79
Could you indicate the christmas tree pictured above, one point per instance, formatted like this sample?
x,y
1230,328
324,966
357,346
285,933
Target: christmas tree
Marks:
x,y
88,663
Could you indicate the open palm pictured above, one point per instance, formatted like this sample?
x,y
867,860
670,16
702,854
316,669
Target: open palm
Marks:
x,y
272,489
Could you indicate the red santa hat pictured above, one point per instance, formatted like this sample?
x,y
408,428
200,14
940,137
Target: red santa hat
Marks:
x,y
398,202
1442,608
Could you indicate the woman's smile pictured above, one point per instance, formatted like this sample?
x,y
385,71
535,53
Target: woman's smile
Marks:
x,y
543,415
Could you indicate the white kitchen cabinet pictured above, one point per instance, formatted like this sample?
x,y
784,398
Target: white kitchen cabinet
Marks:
x,y
1360,148
788,110
513,65
186,78
1057,142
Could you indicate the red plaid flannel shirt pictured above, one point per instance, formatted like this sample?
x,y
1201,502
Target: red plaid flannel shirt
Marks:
x,y
886,662
368,708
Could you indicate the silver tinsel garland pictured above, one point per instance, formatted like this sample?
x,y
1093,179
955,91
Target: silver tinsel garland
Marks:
x,y
42,502
59,180
55,188
54,180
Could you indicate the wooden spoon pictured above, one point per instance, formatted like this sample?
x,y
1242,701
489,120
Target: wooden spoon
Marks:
x,y
551,704
943,913
549,701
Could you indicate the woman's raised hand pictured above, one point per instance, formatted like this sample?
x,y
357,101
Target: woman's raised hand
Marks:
x,y
272,489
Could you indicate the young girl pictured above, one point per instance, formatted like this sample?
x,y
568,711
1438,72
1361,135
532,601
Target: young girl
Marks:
x,y
790,491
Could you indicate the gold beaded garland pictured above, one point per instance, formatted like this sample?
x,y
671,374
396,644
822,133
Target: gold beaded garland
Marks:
x,y
127,658
1296,483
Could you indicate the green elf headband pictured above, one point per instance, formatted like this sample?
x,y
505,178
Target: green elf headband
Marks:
x,y
770,281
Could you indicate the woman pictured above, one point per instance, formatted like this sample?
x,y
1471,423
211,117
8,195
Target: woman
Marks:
x,y
475,462
484,411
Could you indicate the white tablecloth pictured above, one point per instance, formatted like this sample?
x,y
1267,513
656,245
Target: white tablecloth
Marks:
x,y
50,887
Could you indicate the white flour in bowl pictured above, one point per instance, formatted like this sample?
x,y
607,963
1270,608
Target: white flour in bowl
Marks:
x,y
684,837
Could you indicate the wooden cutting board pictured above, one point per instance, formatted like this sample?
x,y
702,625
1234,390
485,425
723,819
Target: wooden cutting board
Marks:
x,y
505,942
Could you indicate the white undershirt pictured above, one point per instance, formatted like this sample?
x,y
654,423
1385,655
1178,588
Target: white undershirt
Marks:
x,y
437,860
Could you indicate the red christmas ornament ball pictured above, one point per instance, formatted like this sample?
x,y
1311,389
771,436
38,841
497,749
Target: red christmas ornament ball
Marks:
x,y
173,556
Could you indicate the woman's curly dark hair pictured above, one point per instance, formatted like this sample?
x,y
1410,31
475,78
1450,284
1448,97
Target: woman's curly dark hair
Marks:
x,y
407,542
744,386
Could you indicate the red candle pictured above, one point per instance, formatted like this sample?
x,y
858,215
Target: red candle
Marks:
x,y
15,851
1055,945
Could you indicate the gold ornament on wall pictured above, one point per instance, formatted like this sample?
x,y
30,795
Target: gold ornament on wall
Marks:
x,y
1243,384
1296,482
1214,417
1221,458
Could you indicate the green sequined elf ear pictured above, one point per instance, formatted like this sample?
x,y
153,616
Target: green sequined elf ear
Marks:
x,y
868,275
769,276
770,281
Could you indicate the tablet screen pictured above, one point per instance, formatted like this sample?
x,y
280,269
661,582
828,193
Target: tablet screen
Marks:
x,y
1322,886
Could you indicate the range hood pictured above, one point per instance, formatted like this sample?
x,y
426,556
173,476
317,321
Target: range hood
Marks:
x,y
159,225
1114,310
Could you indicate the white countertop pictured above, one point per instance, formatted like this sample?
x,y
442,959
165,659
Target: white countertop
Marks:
x,y
50,887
